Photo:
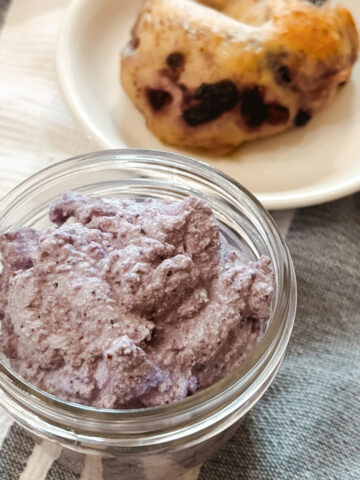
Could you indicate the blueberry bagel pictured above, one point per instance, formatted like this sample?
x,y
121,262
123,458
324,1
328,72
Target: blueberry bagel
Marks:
x,y
212,74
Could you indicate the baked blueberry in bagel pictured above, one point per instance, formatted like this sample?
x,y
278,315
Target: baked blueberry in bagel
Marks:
x,y
212,74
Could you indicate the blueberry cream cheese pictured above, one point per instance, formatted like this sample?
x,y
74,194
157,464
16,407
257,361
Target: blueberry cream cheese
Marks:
x,y
130,304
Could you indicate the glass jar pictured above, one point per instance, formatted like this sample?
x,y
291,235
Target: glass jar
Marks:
x,y
167,441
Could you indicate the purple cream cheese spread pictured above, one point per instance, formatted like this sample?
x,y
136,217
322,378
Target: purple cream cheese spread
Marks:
x,y
131,304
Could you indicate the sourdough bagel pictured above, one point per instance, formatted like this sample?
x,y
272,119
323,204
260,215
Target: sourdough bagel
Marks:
x,y
212,74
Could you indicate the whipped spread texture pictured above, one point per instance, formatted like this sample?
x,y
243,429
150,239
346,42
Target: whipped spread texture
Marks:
x,y
130,304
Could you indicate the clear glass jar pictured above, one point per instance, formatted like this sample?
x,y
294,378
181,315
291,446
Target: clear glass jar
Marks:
x,y
167,441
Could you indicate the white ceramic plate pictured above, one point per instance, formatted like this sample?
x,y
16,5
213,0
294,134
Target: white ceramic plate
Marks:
x,y
318,163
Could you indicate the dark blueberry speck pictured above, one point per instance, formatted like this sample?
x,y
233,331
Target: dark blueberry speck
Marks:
x,y
223,93
317,3
253,108
302,118
214,99
175,61
277,114
158,98
276,63
284,74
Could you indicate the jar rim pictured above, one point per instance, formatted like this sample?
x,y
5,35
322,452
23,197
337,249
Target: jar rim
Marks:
x,y
261,362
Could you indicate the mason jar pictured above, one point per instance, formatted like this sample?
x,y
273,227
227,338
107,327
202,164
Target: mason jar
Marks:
x,y
168,441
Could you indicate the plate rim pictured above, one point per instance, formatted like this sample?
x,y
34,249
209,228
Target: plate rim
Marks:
x,y
273,201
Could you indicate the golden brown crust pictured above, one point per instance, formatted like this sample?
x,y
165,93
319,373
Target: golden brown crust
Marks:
x,y
202,77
